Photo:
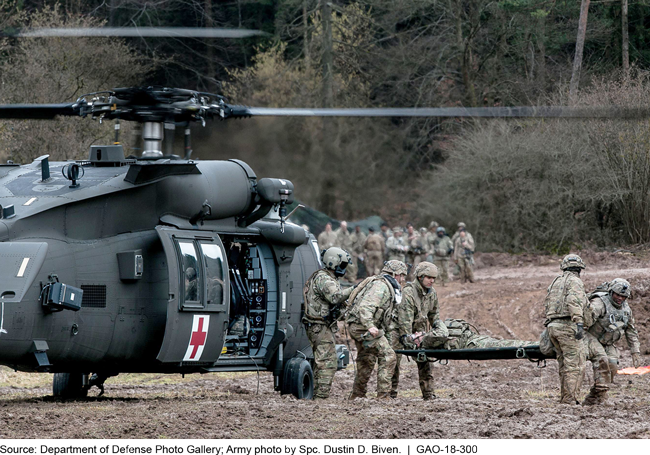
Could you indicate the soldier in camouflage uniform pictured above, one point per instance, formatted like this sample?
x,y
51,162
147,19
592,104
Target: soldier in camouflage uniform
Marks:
x,y
418,312
373,250
442,251
565,306
344,241
322,295
397,246
461,336
327,238
358,241
464,253
417,249
429,238
612,319
369,319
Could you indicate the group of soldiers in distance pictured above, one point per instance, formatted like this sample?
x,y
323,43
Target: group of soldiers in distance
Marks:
x,y
409,245
384,313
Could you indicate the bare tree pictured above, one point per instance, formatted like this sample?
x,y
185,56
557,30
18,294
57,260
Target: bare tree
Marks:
x,y
580,44
625,39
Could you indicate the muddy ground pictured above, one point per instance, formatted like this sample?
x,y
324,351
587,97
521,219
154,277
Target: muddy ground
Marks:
x,y
489,399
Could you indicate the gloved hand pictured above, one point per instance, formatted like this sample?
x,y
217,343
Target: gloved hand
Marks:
x,y
580,332
407,342
636,359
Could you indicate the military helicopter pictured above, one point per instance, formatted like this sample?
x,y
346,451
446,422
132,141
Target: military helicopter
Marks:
x,y
162,263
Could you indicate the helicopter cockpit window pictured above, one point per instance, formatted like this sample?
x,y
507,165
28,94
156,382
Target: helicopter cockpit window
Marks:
x,y
191,271
214,270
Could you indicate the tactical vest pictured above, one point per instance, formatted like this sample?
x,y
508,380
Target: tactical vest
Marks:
x,y
555,301
439,248
382,316
316,309
611,327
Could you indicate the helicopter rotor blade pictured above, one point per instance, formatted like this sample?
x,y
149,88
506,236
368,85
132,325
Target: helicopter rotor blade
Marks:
x,y
169,32
482,112
37,111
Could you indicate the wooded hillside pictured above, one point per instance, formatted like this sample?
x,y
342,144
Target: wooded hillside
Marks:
x,y
541,185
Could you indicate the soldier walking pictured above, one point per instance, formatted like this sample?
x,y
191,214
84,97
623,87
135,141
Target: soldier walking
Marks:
x,y
370,318
323,296
612,319
565,306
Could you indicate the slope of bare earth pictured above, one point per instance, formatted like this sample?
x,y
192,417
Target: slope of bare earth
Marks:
x,y
489,399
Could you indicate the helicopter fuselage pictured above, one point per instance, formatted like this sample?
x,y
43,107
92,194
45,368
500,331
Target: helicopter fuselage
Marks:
x,y
163,265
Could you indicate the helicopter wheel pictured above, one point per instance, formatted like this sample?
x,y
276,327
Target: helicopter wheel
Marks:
x,y
298,379
70,385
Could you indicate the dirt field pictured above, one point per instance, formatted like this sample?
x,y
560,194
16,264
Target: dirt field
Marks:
x,y
489,399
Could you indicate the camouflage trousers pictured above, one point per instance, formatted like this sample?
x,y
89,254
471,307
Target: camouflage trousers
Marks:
x,y
370,352
604,361
443,269
483,341
374,262
466,270
425,371
570,358
322,342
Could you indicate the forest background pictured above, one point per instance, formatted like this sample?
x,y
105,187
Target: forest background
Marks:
x,y
520,185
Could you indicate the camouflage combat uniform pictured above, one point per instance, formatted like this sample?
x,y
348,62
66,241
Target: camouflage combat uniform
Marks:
x,y
416,252
464,256
461,336
327,240
374,252
397,248
358,242
418,312
322,292
442,251
565,306
610,323
373,306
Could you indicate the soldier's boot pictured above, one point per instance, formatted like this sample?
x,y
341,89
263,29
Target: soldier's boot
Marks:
x,y
357,393
393,394
596,396
429,396
384,395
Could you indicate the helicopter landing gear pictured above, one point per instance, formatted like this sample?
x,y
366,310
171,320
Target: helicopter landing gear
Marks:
x,y
298,379
76,385
70,385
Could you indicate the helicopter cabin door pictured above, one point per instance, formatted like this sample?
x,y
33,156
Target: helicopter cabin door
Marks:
x,y
199,297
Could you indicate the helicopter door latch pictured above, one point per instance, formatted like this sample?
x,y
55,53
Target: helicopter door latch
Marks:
x,y
57,296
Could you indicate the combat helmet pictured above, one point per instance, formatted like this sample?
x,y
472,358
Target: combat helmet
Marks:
x,y
395,267
461,225
433,224
572,261
621,287
336,259
441,229
425,268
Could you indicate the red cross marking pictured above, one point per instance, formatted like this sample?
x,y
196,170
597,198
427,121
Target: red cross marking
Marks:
x,y
198,338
